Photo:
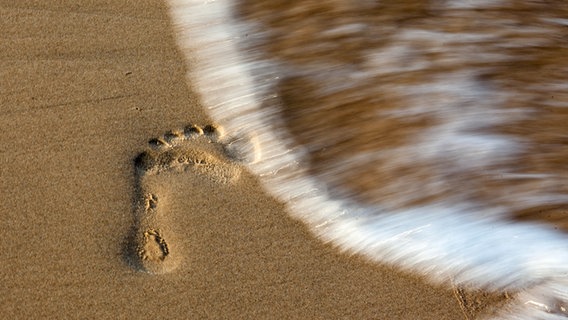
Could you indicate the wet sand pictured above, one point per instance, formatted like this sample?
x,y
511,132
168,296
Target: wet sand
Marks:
x,y
84,86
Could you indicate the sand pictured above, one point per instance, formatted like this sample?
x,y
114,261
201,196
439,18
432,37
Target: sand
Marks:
x,y
84,86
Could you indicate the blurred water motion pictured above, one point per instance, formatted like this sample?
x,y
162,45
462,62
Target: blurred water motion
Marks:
x,y
430,135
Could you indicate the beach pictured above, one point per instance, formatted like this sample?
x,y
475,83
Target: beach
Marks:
x,y
84,86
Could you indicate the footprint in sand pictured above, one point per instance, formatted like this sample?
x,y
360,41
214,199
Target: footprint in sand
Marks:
x,y
194,152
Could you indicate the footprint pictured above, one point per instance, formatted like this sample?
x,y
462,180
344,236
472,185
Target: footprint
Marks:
x,y
203,154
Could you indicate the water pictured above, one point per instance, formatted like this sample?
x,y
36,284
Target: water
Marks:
x,y
429,136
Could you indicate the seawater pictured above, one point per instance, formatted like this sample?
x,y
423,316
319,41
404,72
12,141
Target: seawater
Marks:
x,y
430,136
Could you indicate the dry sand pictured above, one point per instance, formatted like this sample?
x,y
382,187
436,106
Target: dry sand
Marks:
x,y
84,85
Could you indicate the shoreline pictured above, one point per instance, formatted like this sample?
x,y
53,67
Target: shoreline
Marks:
x,y
83,90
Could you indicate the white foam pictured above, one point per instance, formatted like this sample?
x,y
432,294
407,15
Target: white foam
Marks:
x,y
559,21
446,241
471,4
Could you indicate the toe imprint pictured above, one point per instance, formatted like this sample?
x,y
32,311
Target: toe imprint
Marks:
x,y
192,131
196,148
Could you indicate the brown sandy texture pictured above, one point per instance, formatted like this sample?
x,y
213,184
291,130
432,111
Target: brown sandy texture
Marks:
x,y
83,86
